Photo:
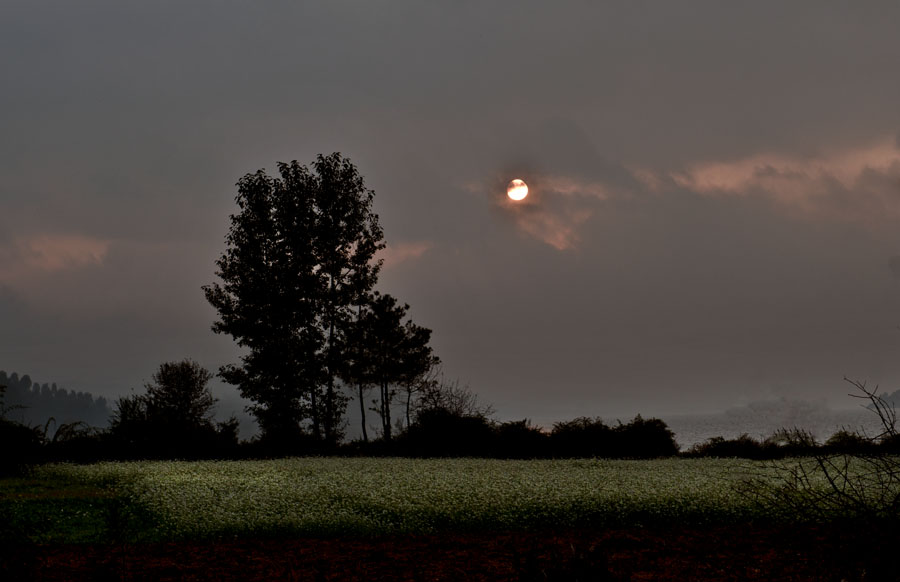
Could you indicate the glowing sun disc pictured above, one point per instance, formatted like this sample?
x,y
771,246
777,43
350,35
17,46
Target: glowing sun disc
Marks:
x,y
517,190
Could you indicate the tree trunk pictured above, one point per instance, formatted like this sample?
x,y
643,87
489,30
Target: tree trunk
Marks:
x,y
408,398
362,410
329,391
386,411
314,413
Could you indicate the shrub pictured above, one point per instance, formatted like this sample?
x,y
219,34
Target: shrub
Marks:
x,y
744,446
520,440
844,441
20,447
441,433
644,439
581,437
862,484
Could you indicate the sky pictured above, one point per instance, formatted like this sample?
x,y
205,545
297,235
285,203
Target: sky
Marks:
x,y
714,188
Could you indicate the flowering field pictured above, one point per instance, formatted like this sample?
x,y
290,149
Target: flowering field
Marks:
x,y
328,496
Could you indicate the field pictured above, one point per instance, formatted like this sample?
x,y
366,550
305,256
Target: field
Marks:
x,y
223,508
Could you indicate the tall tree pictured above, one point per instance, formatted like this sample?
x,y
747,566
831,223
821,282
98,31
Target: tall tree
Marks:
x,y
299,258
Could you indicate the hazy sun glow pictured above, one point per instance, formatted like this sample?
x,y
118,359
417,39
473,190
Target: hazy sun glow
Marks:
x,y
517,190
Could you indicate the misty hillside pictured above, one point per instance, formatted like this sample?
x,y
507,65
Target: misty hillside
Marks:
x,y
34,404
891,398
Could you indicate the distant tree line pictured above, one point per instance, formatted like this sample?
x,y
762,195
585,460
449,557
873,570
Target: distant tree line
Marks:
x,y
34,403
173,419
795,442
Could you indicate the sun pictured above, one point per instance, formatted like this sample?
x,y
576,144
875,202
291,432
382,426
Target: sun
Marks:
x,y
517,190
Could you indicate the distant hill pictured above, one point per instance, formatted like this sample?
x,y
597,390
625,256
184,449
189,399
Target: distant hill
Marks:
x,y
891,398
36,403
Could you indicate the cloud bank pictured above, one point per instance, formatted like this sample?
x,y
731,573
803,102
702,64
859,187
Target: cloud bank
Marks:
x,y
859,185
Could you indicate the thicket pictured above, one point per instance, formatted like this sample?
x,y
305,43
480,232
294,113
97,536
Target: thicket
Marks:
x,y
441,433
854,479
794,442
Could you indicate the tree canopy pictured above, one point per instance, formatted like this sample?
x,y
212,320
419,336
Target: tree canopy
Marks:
x,y
384,351
173,417
300,256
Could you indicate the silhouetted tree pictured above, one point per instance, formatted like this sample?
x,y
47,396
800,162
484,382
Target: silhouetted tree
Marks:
x,y
392,353
299,258
359,370
421,366
644,439
174,417
179,396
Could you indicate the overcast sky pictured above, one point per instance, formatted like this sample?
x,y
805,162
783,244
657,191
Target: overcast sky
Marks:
x,y
714,216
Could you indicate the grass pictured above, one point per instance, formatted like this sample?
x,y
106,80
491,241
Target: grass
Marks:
x,y
54,506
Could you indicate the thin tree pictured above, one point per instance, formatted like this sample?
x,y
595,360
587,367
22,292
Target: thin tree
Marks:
x,y
347,236
359,371
421,367
394,353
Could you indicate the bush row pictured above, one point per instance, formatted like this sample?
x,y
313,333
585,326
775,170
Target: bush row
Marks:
x,y
435,433
794,443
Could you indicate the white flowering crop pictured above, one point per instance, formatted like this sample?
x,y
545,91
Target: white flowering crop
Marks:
x,y
319,496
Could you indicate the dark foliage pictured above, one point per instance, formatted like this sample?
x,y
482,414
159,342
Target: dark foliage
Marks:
x,y
785,442
173,419
581,437
78,444
638,439
385,352
442,433
744,446
19,444
438,432
299,258
849,442
644,439
20,447
519,440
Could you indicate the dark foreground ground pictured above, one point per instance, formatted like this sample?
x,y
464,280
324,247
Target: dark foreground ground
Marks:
x,y
747,552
